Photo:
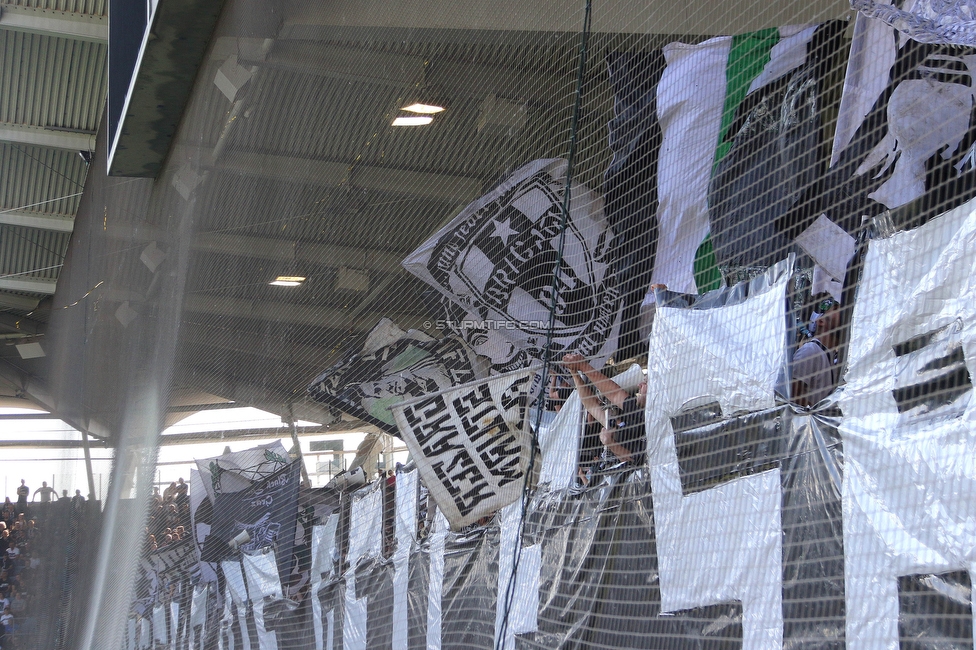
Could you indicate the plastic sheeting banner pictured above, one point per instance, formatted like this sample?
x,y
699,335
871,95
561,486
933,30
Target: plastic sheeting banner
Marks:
x,y
909,432
323,563
498,259
236,624
365,545
197,628
722,544
602,562
407,489
264,590
471,445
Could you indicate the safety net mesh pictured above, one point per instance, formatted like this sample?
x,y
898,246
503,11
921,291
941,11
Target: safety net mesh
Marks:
x,y
590,325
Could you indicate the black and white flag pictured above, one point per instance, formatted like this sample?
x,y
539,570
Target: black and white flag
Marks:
x,y
926,21
472,444
394,366
267,511
498,260
905,129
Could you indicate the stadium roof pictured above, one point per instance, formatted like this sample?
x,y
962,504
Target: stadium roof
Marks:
x,y
285,163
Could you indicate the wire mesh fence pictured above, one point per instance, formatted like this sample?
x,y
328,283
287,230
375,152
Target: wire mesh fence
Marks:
x,y
667,311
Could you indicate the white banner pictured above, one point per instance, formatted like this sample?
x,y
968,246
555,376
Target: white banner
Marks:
x,y
471,444
323,566
407,484
236,597
263,583
909,426
722,544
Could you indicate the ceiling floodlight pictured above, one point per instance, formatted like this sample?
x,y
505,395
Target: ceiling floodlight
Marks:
x,y
287,281
426,109
418,120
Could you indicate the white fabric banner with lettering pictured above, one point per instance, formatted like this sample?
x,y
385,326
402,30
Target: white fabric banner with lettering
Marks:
x,y
471,444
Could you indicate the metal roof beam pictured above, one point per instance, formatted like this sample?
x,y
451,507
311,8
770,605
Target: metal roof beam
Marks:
x,y
308,315
39,220
14,301
265,398
27,285
42,137
82,27
285,251
440,187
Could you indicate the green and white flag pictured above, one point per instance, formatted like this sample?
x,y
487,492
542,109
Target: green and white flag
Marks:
x,y
704,100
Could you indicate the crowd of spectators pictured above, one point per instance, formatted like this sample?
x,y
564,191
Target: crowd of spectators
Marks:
x,y
20,540
169,516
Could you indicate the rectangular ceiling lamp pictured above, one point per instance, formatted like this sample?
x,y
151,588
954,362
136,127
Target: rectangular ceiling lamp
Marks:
x,y
412,120
287,281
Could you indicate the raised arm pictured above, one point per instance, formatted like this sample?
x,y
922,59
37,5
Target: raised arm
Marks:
x,y
590,401
603,384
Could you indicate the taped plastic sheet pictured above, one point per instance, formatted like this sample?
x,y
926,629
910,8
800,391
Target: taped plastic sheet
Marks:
x,y
813,543
374,586
722,544
516,613
323,546
236,631
418,599
174,624
263,588
332,598
226,637
559,444
198,616
909,426
438,538
159,625
366,524
407,485
470,588
130,638
365,541
145,633
729,348
600,579
599,575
